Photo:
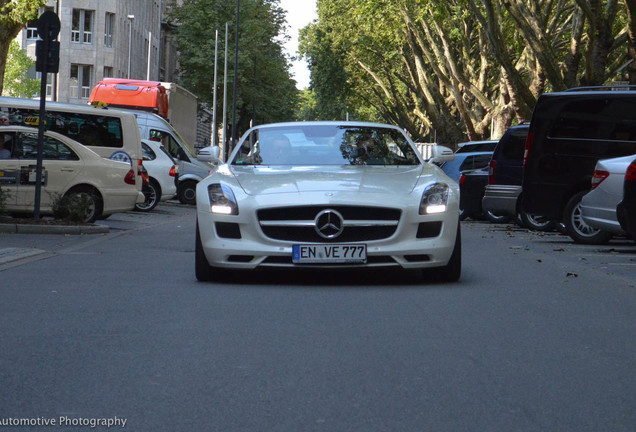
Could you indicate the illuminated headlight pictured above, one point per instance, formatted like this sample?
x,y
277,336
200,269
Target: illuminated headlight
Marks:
x,y
222,200
434,199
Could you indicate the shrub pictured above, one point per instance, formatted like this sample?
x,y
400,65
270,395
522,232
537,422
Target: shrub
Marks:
x,y
73,208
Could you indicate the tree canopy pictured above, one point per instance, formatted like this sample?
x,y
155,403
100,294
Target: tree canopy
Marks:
x,y
266,91
461,69
13,15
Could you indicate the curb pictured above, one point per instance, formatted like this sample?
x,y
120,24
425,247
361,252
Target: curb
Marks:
x,y
53,229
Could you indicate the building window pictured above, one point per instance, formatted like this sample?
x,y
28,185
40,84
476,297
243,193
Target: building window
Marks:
x,y
49,82
80,82
109,29
108,72
32,30
82,30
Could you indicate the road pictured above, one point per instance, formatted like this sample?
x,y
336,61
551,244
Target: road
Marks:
x,y
537,336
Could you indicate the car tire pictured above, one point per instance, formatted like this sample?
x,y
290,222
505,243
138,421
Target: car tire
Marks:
x,y
537,223
152,193
576,227
491,217
452,271
203,270
188,192
95,205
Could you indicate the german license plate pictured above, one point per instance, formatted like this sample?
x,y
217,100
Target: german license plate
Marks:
x,y
329,253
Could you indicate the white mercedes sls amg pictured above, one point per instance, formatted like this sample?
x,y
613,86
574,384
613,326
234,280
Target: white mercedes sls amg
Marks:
x,y
327,195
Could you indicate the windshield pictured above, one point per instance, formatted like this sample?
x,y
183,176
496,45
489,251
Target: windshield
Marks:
x,y
326,145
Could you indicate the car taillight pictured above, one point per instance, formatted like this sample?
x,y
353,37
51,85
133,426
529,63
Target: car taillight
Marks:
x,y
492,177
140,166
529,140
462,179
598,177
173,171
630,174
130,177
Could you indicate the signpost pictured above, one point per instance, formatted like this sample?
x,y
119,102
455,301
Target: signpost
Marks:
x,y
47,51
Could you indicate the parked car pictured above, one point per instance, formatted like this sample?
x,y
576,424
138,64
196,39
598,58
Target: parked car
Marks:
x,y
569,132
162,175
626,209
472,185
69,169
503,192
327,195
476,146
598,206
465,162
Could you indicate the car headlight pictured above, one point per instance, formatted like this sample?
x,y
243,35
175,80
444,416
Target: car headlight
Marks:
x,y
222,199
434,199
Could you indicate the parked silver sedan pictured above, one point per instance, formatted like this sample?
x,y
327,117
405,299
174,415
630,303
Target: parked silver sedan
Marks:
x,y
598,207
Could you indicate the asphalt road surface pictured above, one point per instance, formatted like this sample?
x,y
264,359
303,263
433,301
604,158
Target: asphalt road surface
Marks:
x,y
112,331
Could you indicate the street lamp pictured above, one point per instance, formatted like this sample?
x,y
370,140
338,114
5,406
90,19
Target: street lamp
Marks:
x,y
130,18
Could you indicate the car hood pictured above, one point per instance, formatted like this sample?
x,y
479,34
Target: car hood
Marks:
x,y
257,180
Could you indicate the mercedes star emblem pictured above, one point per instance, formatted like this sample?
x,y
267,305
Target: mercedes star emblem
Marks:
x,y
329,224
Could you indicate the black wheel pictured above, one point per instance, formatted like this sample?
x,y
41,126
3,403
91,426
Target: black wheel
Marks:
x,y
188,192
452,271
202,269
576,227
537,223
88,200
152,193
463,214
491,217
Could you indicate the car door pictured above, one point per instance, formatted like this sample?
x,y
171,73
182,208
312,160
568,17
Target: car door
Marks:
x,y
60,165
9,172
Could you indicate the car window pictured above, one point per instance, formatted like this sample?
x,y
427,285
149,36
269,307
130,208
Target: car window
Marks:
x,y
26,147
326,145
477,147
148,153
475,162
515,144
88,129
170,144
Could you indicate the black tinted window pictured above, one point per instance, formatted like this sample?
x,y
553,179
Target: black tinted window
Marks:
x,y
514,145
89,129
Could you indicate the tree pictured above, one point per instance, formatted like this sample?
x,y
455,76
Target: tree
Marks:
x,y
16,81
13,15
460,67
266,91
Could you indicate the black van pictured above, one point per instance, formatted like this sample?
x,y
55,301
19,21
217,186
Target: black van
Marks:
x,y
569,132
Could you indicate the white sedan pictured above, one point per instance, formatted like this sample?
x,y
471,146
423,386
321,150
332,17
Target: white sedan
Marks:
x,y
328,195
162,175
69,169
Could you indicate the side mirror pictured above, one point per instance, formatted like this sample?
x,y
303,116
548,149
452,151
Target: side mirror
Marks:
x,y
441,154
210,155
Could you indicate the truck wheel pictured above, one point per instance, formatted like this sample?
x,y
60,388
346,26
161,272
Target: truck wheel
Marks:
x,y
576,227
188,192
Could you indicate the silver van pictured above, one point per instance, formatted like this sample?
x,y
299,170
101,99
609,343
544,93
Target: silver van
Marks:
x,y
191,169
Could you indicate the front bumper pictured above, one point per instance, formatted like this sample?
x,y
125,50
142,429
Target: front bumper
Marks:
x,y
403,249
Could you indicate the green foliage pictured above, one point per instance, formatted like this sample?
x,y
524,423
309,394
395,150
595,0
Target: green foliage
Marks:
x,y
453,68
72,208
13,15
4,196
266,91
16,81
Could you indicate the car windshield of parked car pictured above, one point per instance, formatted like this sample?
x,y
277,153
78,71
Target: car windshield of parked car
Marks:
x,y
326,145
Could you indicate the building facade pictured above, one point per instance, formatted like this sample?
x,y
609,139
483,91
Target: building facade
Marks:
x,y
102,38
111,38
